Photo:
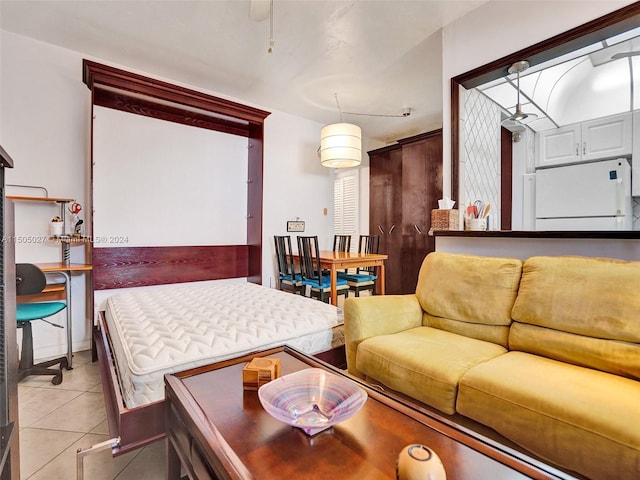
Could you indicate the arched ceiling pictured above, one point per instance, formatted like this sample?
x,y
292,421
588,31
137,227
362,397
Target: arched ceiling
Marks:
x,y
599,80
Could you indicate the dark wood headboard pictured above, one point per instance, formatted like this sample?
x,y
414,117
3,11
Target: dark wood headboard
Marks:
x,y
124,267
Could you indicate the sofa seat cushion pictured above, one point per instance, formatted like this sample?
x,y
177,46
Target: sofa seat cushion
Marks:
x,y
425,363
581,419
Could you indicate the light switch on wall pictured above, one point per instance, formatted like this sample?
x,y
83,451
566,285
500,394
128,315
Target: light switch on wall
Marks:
x,y
325,211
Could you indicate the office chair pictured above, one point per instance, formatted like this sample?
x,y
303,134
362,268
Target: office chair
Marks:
x,y
31,280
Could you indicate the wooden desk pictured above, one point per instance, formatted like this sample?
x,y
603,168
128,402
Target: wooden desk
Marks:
x,y
216,430
335,261
66,269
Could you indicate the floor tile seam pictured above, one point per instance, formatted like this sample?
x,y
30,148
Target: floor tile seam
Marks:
x,y
45,415
59,387
45,429
80,393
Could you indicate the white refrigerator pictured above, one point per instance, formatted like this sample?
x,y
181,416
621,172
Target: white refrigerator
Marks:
x,y
586,196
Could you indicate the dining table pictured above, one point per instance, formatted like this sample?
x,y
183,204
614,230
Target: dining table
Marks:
x,y
334,261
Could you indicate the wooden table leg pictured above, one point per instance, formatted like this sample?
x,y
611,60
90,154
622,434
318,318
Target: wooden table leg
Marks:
x,y
380,286
334,281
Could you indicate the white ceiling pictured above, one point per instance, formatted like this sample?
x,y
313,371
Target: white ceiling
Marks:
x,y
377,56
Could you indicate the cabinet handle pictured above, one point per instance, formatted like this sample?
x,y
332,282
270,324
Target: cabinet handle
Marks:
x,y
393,227
577,149
584,148
418,229
380,229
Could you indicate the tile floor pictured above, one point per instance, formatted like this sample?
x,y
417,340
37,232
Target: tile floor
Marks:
x,y
56,420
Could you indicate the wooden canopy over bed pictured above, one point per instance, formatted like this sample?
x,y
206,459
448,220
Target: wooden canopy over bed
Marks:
x,y
130,266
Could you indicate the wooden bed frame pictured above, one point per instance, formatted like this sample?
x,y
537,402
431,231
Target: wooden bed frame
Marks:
x,y
142,266
138,266
135,427
124,267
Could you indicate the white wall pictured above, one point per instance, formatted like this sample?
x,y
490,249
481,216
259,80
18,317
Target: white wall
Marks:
x,y
45,120
499,28
44,114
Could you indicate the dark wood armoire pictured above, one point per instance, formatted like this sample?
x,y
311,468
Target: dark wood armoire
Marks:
x,y
405,185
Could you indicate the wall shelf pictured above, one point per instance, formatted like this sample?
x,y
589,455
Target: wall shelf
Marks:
x,y
66,240
40,199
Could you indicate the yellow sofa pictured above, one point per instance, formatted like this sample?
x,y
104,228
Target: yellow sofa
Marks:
x,y
546,352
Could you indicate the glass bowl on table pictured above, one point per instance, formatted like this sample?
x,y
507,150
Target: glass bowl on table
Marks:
x,y
312,399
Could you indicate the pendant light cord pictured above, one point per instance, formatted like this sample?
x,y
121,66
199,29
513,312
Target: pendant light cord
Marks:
x,y
338,105
271,42
406,111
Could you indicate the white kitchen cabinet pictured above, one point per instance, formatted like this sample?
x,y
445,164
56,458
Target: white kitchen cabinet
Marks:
x,y
607,137
559,146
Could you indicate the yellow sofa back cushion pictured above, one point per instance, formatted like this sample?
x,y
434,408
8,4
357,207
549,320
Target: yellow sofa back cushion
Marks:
x,y
585,311
469,294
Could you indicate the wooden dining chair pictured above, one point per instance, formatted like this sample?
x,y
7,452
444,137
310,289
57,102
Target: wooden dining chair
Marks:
x,y
315,283
288,279
365,277
342,243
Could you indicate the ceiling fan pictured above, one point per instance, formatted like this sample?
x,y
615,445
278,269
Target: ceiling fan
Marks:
x,y
519,117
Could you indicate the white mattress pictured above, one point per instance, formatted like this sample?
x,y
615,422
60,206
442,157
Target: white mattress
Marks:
x,y
154,332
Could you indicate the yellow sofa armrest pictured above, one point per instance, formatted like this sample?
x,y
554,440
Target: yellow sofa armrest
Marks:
x,y
366,317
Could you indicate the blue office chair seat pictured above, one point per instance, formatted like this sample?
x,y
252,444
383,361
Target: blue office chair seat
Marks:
x,y
31,280
26,312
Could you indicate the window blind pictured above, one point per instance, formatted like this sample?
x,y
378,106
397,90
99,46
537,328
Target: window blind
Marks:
x,y
345,205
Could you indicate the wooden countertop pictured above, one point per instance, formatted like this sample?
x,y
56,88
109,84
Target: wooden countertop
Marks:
x,y
608,234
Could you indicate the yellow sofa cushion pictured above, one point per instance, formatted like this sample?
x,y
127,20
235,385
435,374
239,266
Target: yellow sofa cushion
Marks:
x,y
366,317
424,363
581,419
457,289
580,310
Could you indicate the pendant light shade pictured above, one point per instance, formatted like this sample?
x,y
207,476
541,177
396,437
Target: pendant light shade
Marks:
x,y
340,145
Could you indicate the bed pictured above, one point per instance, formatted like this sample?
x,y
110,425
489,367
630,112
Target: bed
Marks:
x,y
144,334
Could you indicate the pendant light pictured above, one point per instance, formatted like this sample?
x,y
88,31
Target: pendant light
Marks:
x,y
519,117
340,145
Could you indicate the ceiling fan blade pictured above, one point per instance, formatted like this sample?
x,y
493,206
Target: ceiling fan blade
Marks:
x,y
259,10
625,55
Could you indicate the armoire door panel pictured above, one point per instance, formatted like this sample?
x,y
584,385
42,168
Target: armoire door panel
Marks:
x,y
405,185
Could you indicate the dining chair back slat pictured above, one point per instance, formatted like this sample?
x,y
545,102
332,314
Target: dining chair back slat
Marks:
x,y
342,243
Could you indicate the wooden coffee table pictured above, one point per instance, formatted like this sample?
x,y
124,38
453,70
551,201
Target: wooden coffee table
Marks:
x,y
218,431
